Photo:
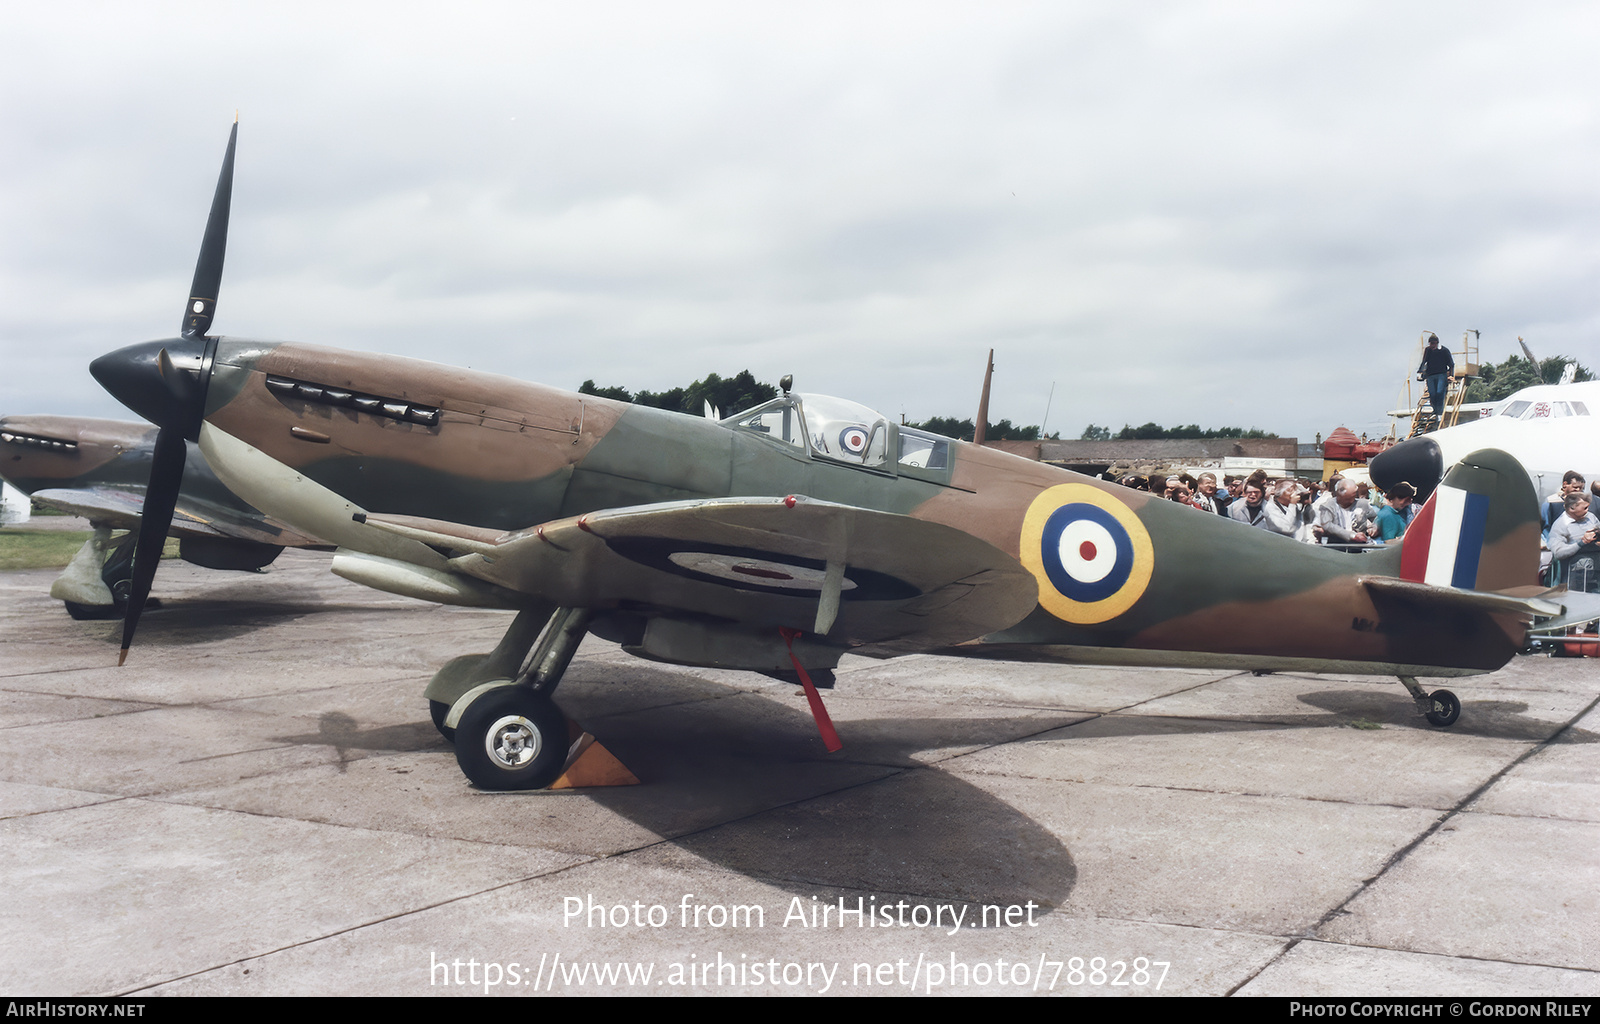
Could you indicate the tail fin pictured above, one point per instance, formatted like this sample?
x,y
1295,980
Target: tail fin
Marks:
x,y
1479,530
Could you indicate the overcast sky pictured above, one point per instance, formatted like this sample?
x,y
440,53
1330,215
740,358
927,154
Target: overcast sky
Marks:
x,y
1224,213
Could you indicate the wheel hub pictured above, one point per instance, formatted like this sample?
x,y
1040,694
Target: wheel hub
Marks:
x,y
512,742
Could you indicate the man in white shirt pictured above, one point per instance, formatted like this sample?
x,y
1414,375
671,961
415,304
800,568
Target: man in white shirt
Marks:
x,y
1341,520
1572,544
1289,511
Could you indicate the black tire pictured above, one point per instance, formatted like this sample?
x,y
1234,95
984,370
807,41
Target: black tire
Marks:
x,y
512,738
91,612
1445,708
440,711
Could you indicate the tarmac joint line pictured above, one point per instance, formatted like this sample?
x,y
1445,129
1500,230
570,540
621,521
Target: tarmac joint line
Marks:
x,y
1401,854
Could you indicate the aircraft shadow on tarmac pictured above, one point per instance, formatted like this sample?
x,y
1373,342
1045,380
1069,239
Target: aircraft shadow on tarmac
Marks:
x,y
1495,719
739,779
184,622
346,736
871,819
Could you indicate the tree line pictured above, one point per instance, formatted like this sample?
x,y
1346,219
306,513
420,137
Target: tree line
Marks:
x,y
1502,380
729,394
1156,432
742,391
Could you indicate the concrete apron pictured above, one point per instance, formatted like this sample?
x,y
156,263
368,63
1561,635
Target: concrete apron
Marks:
x,y
258,804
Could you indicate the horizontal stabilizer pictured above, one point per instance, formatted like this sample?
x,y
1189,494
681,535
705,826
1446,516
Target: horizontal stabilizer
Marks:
x,y
1576,608
1467,600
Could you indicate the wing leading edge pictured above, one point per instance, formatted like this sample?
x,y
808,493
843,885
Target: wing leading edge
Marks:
x,y
121,510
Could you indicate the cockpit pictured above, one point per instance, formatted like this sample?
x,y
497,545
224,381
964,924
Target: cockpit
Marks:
x,y
1524,409
838,430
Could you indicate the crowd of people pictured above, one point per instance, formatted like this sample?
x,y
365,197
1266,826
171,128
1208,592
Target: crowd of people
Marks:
x,y
1348,514
1339,512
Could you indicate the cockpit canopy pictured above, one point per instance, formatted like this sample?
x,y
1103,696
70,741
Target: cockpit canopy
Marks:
x,y
1523,409
839,430
1545,402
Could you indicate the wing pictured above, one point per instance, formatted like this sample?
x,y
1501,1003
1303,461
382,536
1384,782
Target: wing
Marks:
x,y
194,517
854,576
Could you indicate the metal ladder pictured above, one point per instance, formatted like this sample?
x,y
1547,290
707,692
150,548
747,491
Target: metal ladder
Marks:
x,y
1423,419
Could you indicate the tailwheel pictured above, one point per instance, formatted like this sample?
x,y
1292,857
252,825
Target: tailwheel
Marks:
x,y
512,738
1442,708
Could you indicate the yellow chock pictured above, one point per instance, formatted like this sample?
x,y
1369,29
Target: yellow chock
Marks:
x,y
591,765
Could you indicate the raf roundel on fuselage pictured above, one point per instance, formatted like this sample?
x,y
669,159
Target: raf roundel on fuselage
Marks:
x,y
1089,552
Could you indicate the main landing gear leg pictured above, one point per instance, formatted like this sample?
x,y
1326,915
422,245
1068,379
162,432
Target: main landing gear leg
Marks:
x,y
469,671
509,734
1440,707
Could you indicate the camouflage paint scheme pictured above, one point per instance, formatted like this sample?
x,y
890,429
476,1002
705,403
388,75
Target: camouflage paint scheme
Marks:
x,y
98,469
784,535
46,452
504,455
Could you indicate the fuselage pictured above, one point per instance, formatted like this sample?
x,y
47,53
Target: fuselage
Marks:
x,y
410,438
100,469
39,452
42,452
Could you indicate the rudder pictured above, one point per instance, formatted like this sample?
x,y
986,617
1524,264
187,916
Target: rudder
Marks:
x,y
1479,529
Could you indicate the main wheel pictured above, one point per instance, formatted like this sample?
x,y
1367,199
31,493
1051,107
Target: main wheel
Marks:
x,y
1443,708
88,612
440,711
512,738
115,610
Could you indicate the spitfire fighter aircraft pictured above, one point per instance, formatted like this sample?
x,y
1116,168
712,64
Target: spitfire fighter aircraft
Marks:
x,y
98,469
780,538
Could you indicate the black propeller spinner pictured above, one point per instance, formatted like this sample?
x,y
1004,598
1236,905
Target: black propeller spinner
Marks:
x,y
165,382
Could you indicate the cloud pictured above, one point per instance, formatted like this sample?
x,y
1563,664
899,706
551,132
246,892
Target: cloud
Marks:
x,y
1218,213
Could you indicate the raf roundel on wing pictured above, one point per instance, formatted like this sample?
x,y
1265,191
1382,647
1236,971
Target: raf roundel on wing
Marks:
x,y
1090,553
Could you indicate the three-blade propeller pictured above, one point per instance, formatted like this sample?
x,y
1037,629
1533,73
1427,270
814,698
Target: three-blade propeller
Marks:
x,y
150,381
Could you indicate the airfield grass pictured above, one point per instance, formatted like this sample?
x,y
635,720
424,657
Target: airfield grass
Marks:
x,y
48,549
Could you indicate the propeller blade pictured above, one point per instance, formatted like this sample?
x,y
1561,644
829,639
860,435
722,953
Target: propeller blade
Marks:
x,y
172,398
161,497
202,304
